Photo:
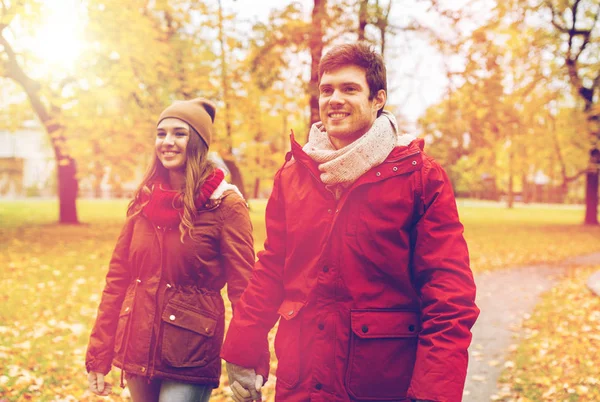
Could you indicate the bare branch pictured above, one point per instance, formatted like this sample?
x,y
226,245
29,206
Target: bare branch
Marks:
x,y
589,34
555,17
31,87
8,14
596,82
576,176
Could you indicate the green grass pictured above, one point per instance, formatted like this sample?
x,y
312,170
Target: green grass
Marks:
x,y
527,234
51,277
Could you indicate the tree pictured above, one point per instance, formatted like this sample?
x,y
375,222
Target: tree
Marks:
x,y
47,113
502,117
102,112
575,24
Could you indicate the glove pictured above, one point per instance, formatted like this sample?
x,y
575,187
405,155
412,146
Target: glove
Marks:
x,y
245,383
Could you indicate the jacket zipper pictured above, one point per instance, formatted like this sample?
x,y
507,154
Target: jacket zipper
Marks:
x,y
157,314
128,330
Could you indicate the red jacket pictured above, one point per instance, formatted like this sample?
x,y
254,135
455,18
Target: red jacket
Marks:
x,y
161,313
374,291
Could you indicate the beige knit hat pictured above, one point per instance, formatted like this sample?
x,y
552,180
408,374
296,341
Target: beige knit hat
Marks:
x,y
199,113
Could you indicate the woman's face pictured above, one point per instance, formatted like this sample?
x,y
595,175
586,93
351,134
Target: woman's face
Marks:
x,y
172,137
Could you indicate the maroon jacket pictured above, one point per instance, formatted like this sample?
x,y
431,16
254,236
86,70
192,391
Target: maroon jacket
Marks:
x,y
374,291
161,313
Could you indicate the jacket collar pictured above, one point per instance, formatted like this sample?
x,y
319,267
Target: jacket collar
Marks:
x,y
399,152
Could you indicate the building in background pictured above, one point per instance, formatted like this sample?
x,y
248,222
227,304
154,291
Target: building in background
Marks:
x,y
27,166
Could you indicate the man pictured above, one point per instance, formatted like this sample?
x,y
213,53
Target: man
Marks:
x,y
365,260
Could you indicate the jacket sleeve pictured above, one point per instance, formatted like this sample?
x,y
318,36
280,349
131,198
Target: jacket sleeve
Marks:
x,y
444,281
246,343
237,248
100,350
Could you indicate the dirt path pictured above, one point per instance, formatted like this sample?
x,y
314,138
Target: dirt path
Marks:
x,y
505,298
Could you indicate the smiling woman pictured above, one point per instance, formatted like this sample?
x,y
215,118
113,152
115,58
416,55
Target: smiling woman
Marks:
x,y
59,40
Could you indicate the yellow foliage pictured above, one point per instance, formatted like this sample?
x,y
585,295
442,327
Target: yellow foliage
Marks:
x,y
558,358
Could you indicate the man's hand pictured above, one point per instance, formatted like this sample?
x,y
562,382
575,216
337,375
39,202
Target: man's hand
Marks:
x,y
97,384
245,383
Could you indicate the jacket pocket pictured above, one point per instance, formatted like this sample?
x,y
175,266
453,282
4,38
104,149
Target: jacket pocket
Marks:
x,y
287,344
191,337
383,346
124,315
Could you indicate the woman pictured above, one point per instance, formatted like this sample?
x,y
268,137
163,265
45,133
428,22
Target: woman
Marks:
x,y
187,233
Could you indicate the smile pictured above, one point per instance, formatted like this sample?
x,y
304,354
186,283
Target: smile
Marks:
x,y
338,115
169,153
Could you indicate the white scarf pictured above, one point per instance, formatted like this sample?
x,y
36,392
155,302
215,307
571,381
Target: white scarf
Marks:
x,y
341,167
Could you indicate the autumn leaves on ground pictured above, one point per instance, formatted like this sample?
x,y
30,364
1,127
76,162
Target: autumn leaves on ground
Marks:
x,y
52,276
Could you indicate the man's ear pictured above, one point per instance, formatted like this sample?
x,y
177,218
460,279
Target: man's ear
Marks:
x,y
379,100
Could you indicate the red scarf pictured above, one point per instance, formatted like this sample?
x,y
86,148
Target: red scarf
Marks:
x,y
165,207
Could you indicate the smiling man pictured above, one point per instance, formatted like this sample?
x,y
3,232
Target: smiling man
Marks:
x,y
365,261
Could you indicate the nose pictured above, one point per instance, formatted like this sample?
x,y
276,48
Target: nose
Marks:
x,y
336,98
169,139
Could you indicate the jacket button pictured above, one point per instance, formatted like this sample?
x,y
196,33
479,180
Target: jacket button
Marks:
x,y
325,269
321,326
172,317
207,330
414,163
291,312
319,386
126,309
411,328
143,369
395,168
378,174
365,329
329,211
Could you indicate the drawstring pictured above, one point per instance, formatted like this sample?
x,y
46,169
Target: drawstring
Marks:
x,y
127,332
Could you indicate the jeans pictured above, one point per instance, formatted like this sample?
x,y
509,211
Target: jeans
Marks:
x,y
165,390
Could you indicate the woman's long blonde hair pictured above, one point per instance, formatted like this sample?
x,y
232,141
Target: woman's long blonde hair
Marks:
x,y
197,169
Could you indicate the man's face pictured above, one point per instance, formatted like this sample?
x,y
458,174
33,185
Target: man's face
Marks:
x,y
344,105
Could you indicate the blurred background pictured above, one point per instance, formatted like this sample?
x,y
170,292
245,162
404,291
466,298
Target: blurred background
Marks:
x,y
506,94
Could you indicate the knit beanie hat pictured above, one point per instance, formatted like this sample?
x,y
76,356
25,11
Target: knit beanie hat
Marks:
x,y
199,113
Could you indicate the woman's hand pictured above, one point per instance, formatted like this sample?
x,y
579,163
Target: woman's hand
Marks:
x,y
97,384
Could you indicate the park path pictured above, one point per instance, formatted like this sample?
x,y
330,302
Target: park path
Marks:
x,y
505,297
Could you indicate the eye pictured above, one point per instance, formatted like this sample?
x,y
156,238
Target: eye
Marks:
x,y
351,89
326,91
181,133
160,134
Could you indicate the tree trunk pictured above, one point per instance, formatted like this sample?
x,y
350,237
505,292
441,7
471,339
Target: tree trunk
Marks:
x,y
236,174
67,190
591,197
66,168
363,15
224,83
316,51
511,173
256,187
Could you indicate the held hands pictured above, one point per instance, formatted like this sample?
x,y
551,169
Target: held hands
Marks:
x,y
97,384
245,383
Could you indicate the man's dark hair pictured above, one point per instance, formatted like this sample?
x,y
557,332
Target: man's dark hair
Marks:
x,y
361,55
